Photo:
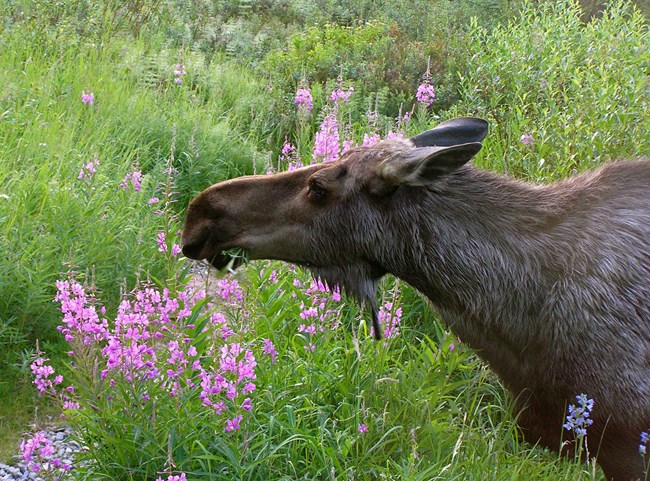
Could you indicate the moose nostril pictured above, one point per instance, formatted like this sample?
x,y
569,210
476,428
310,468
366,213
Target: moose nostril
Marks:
x,y
193,244
192,250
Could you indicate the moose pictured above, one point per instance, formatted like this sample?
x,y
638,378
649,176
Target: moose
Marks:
x,y
550,284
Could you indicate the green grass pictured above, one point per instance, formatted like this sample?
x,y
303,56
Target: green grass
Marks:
x,y
432,413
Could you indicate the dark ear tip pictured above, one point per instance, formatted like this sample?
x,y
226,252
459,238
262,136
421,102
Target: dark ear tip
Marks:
x,y
461,130
477,124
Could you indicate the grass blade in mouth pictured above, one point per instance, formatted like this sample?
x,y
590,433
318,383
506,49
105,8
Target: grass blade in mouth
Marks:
x,y
238,256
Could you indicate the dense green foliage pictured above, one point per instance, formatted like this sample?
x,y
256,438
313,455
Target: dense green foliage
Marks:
x,y
578,88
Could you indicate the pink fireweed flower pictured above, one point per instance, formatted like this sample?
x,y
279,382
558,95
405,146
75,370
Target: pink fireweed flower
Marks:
x,y
269,349
87,97
220,325
226,387
179,73
341,95
71,405
394,136
347,145
287,150
80,319
38,453
527,139
229,291
161,240
88,170
153,200
42,376
426,94
370,139
389,320
171,477
134,178
290,155
326,145
233,424
319,311
303,99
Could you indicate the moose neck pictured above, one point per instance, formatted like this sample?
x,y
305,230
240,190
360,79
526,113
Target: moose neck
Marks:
x,y
477,245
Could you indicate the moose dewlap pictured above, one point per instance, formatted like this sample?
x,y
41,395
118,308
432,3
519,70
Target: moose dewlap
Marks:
x,y
549,283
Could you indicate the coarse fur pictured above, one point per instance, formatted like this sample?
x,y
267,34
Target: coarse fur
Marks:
x,y
549,283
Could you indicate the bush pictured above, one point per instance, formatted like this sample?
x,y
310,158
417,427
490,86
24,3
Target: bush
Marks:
x,y
580,90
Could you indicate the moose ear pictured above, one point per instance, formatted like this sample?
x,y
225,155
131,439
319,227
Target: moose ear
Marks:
x,y
421,166
463,130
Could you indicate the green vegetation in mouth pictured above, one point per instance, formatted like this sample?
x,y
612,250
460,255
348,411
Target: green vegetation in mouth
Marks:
x,y
238,256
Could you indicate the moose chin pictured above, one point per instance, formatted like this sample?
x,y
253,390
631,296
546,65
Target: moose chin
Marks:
x,y
550,284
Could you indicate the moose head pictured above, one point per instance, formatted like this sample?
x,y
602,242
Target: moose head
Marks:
x,y
333,218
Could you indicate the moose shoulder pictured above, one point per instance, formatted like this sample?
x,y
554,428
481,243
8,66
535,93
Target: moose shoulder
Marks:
x,y
549,283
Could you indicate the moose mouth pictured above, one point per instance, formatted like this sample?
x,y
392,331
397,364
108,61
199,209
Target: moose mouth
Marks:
x,y
229,259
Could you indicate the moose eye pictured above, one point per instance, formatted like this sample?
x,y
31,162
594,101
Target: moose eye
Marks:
x,y
316,191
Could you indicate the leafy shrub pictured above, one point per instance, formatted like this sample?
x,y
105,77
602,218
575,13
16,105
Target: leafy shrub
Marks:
x,y
579,90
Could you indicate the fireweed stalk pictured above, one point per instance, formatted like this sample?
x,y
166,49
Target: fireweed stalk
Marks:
x,y
320,311
165,237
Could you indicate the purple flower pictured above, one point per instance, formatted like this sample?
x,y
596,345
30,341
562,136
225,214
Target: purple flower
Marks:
x,y
645,437
303,99
171,477
233,424
88,170
389,319
578,419
370,139
362,428
290,155
341,95
80,320
229,291
394,136
326,145
134,178
426,94
162,241
269,349
179,72
87,97
347,145
38,452
527,139
42,373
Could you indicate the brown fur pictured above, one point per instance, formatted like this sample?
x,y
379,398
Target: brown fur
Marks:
x,y
549,283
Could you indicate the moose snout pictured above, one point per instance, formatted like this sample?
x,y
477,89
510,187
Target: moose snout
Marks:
x,y
193,244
